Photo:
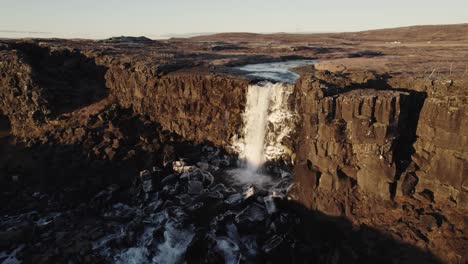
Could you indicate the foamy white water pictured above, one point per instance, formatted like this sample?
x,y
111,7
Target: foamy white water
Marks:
x,y
268,122
255,122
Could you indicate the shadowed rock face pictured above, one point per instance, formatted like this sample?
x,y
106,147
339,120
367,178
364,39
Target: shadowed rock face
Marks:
x,y
5,126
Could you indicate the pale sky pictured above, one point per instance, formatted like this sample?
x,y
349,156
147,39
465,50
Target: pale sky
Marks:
x,y
159,18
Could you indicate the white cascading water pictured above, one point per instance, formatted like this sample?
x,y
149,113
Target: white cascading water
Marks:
x,y
268,120
255,124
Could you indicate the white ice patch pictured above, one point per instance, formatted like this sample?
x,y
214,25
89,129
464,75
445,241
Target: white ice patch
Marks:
x,y
135,255
281,123
229,249
48,219
102,244
10,258
175,244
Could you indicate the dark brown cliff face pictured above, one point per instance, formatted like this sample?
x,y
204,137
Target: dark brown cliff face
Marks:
x,y
393,158
441,151
355,136
198,105
41,83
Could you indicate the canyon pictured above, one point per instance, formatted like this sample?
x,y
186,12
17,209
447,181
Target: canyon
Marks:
x,y
348,148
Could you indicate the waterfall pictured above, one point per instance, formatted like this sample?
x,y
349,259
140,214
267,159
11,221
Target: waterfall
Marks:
x,y
268,123
255,124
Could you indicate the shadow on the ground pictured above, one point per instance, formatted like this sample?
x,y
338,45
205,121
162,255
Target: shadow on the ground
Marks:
x,y
5,126
327,239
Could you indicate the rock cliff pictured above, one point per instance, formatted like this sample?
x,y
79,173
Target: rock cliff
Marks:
x,y
41,83
441,155
370,149
199,105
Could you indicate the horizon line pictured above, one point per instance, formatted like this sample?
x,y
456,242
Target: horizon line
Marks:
x,y
166,36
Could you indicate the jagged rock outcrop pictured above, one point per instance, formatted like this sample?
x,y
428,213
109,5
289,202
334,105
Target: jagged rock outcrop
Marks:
x,y
39,83
21,99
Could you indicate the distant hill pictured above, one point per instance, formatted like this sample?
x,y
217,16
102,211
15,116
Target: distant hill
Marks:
x,y
426,33
127,39
458,32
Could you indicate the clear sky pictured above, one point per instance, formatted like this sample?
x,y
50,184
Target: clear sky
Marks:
x,y
156,18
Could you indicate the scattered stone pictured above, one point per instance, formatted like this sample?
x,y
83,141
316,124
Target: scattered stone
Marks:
x,y
180,166
185,199
253,213
219,187
147,186
273,243
145,174
213,195
195,206
208,178
195,187
221,162
270,204
229,249
121,212
170,179
235,199
250,192
146,179
203,166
